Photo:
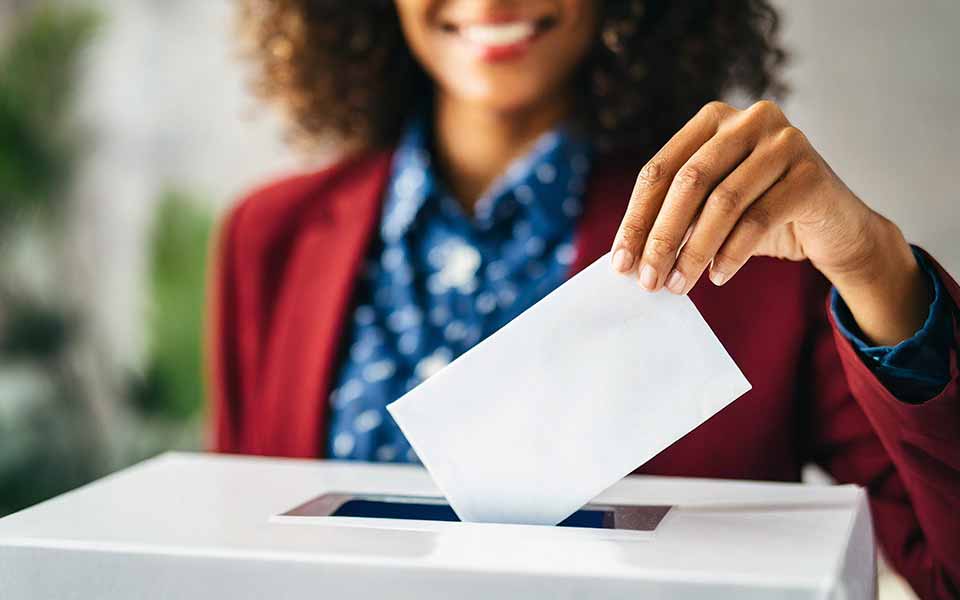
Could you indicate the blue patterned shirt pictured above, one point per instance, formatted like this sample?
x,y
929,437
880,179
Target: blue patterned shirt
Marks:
x,y
439,280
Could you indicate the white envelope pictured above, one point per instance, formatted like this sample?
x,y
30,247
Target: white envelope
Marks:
x,y
575,393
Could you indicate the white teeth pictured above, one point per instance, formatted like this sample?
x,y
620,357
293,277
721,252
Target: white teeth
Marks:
x,y
501,34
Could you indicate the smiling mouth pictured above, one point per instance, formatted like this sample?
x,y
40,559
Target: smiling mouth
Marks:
x,y
501,39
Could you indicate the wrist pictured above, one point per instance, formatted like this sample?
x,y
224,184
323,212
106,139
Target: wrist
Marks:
x,y
878,255
884,287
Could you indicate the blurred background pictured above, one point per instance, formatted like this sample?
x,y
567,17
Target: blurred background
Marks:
x,y
126,127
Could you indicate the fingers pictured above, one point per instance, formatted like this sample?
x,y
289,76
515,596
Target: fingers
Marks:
x,y
709,197
722,210
684,200
654,181
773,209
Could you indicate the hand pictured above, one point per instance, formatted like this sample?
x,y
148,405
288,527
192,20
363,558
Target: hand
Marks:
x,y
733,184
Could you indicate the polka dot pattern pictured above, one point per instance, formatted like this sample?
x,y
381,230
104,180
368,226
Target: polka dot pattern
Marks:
x,y
438,280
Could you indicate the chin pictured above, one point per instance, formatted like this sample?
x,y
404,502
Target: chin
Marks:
x,y
501,95
509,104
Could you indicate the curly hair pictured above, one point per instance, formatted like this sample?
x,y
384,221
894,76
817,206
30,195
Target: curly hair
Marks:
x,y
344,68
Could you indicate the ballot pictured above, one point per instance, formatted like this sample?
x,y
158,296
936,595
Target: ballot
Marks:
x,y
568,398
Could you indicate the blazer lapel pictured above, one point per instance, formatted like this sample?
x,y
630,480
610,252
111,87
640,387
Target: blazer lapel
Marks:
x,y
322,270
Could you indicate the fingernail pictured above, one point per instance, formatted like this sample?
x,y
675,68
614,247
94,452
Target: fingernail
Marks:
x,y
648,277
676,281
622,260
718,277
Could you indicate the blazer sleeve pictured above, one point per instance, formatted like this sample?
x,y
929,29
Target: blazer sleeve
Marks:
x,y
907,456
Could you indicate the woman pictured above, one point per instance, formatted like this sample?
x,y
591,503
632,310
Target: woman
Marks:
x,y
499,147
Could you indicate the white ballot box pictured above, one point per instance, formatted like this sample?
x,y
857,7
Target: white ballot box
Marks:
x,y
204,526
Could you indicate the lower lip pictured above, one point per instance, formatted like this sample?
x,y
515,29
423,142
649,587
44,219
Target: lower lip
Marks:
x,y
501,53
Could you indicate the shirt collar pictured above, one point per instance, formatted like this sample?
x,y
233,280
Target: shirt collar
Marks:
x,y
411,181
548,182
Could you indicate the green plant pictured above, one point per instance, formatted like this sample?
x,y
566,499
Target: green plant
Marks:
x,y
38,140
54,433
171,386
49,441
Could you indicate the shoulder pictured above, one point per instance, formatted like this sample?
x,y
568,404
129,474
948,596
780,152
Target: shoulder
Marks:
x,y
273,210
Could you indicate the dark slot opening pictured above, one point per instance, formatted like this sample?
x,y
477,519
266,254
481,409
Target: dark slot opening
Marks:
x,y
379,509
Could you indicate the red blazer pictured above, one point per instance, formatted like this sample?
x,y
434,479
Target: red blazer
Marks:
x,y
289,255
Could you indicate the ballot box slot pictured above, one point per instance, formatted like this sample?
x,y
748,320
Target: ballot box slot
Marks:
x,y
429,508
375,509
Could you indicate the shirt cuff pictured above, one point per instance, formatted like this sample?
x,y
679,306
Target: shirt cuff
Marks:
x,y
917,368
